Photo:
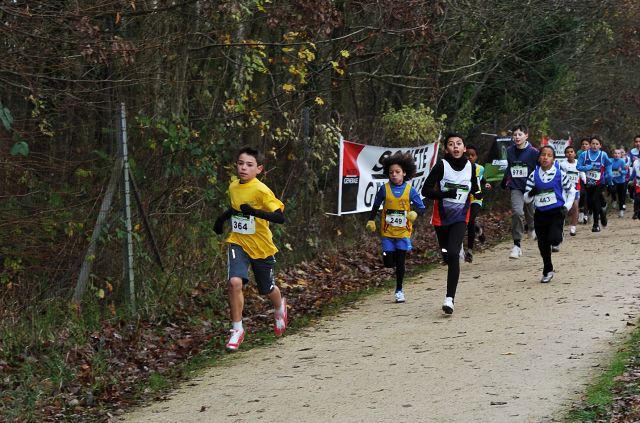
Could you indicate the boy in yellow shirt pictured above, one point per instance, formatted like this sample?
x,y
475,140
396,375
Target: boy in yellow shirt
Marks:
x,y
253,206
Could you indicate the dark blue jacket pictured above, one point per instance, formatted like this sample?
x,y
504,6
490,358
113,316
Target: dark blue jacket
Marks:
x,y
528,157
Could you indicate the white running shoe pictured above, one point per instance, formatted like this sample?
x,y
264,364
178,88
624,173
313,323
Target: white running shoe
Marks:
x,y
621,214
399,296
581,217
516,252
547,278
236,338
447,305
572,230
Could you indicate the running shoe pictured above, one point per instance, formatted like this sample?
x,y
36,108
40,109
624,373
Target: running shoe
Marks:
x,y
399,296
447,306
445,256
572,231
555,248
280,319
595,229
621,214
547,278
516,252
236,338
468,256
580,217
532,234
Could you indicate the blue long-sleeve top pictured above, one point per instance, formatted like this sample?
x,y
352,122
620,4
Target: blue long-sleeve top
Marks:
x,y
592,156
618,171
397,191
520,158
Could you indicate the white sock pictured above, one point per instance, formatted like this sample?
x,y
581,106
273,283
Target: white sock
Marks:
x,y
237,325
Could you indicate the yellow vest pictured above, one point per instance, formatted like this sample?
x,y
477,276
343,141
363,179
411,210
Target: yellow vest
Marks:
x,y
257,240
394,222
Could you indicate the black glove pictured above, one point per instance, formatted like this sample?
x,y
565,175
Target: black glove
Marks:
x,y
452,193
217,226
247,209
533,191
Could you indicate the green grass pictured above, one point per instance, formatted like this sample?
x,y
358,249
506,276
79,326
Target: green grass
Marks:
x,y
599,396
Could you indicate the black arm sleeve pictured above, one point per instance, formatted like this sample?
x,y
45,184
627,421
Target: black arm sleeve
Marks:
x,y
226,215
436,174
275,216
474,180
218,225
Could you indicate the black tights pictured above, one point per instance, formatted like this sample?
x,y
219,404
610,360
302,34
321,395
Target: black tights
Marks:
x,y
549,232
450,238
621,194
396,259
471,226
594,194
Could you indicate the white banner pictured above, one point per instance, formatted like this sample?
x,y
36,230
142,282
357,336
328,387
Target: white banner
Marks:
x,y
361,172
558,146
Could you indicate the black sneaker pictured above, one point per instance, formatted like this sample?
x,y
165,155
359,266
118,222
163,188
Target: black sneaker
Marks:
x,y
595,229
635,216
468,256
603,218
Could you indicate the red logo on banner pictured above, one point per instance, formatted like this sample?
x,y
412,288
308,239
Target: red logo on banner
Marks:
x,y
350,159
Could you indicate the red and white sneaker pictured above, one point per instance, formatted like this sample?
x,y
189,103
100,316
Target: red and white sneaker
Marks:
x,y
280,323
236,338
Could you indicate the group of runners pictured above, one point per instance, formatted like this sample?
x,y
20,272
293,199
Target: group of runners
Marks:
x,y
544,193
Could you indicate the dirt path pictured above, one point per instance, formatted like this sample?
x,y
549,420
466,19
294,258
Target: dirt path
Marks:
x,y
514,350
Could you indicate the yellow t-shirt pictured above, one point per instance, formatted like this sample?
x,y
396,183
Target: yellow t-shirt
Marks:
x,y
249,232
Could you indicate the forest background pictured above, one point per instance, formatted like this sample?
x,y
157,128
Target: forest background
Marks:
x,y
201,78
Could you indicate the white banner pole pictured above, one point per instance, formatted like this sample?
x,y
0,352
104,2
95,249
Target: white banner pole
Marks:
x,y
340,176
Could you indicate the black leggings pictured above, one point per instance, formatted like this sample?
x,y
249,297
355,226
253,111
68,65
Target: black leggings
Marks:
x,y
396,259
471,226
621,194
582,203
450,238
594,200
549,232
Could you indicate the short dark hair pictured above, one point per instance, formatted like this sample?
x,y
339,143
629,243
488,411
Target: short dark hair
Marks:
x,y
520,127
584,139
452,135
549,147
636,137
251,152
404,160
595,137
471,147
568,147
